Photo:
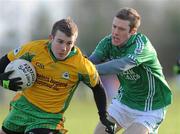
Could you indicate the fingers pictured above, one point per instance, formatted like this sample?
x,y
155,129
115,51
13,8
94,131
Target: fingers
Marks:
x,y
16,79
15,84
19,83
18,88
15,87
9,72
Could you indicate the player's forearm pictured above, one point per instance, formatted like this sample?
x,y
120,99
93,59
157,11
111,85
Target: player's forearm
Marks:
x,y
94,59
4,61
115,66
100,99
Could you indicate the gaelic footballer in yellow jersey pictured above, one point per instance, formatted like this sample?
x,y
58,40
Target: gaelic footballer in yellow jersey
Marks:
x,y
56,81
60,66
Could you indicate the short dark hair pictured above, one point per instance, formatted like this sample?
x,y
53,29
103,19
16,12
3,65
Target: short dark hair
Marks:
x,y
131,15
66,26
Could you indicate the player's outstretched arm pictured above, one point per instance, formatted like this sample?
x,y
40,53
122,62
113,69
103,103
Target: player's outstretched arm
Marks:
x,y
100,99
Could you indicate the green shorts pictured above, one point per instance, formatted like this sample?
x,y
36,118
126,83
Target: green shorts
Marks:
x,y
24,117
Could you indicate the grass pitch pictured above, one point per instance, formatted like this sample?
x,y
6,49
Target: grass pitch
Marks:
x,y
82,117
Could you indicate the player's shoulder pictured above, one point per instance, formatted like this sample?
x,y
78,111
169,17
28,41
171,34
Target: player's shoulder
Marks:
x,y
89,67
141,38
83,61
106,39
36,44
79,55
138,43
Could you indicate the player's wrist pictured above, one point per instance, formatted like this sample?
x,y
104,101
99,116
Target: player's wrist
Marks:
x,y
5,84
102,114
110,126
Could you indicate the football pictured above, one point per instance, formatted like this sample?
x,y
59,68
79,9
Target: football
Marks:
x,y
23,69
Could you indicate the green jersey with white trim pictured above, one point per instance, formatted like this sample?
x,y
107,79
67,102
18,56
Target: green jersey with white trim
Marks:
x,y
143,85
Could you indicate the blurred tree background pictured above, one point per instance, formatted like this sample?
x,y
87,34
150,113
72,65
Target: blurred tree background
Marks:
x,y
25,20
21,21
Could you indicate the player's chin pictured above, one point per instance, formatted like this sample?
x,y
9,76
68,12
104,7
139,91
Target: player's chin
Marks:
x,y
61,57
115,43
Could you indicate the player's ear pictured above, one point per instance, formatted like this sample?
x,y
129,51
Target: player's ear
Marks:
x,y
133,31
50,37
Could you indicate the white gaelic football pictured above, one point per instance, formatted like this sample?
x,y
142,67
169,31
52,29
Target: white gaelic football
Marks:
x,y
23,69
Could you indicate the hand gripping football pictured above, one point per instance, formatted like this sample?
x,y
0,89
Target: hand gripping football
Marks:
x,y
23,69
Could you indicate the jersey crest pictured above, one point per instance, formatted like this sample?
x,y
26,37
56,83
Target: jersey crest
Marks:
x,y
16,51
65,75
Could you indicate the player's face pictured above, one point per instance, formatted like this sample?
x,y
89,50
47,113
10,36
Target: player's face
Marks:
x,y
61,44
120,31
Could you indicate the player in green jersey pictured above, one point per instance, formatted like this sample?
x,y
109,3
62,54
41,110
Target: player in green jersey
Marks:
x,y
140,104
60,66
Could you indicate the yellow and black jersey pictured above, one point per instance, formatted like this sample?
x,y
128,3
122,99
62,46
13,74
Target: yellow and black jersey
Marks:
x,y
56,80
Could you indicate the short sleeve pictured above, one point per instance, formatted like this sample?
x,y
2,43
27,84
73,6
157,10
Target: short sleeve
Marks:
x,y
102,48
90,75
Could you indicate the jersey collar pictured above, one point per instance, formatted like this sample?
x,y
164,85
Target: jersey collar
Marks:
x,y
131,40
